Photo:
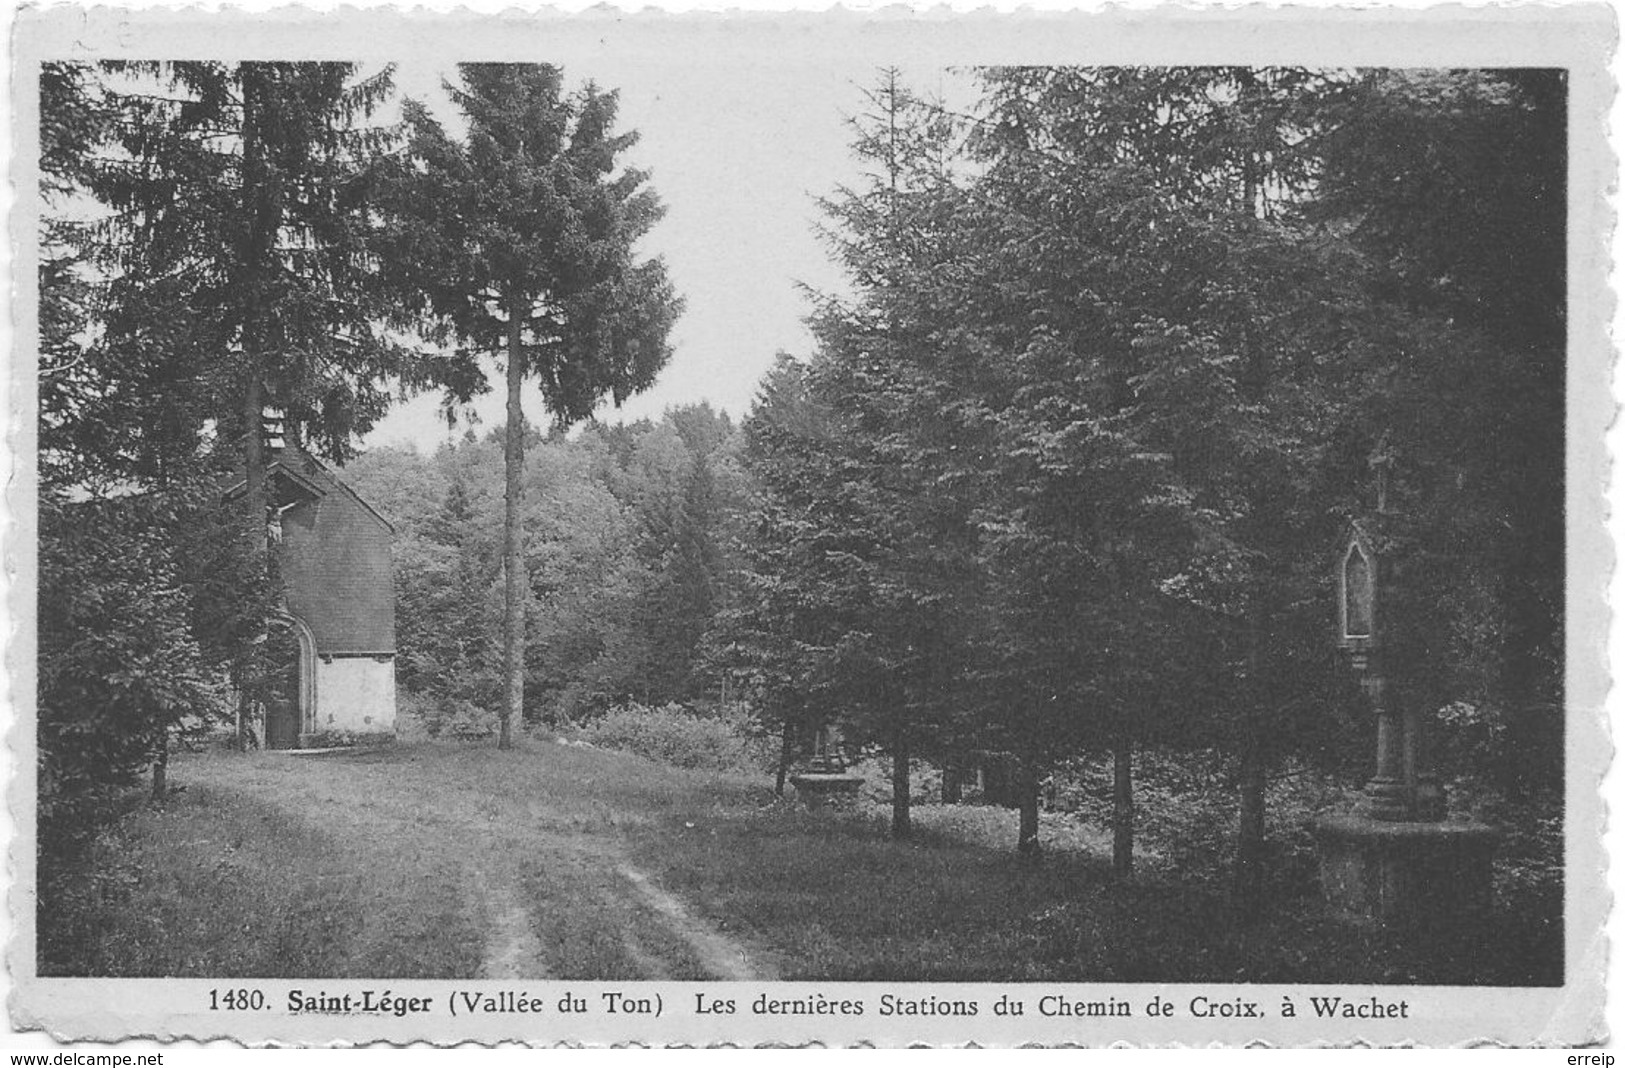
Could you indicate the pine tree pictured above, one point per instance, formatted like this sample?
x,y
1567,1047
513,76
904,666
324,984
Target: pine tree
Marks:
x,y
519,241
132,373
234,278
896,518
800,583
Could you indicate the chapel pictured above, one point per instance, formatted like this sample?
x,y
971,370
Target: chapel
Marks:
x,y
334,552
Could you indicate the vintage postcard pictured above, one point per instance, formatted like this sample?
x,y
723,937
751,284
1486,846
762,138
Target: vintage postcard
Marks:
x,y
784,528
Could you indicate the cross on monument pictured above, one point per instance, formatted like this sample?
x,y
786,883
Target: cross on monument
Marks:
x,y
1402,787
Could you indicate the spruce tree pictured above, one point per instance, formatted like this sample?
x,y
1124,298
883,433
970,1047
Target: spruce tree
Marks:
x,y
520,241
899,506
234,278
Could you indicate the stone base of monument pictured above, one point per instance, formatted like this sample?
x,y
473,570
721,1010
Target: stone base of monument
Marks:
x,y
1433,874
817,789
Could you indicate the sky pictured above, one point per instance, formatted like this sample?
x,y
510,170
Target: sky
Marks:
x,y
738,150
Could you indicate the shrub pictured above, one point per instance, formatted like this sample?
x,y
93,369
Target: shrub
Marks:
x,y
1467,737
344,739
416,715
671,734
444,717
1185,810
119,665
924,780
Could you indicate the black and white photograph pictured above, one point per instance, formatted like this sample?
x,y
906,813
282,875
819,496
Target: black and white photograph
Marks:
x,y
728,531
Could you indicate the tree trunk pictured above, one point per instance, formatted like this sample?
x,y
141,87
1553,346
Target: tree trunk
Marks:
x,y
1123,806
254,512
901,823
787,748
160,767
513,547
1027,843
1250,873
262,214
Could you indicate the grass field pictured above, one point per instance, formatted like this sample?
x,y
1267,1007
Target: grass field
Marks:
x,y
452,860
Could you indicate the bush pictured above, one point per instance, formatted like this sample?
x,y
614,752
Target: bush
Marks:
x,y
345,739
443,717
119,665
924,780
1186,809
671,734
1467,737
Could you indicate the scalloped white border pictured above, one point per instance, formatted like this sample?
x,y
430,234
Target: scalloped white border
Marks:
x,y
1580,37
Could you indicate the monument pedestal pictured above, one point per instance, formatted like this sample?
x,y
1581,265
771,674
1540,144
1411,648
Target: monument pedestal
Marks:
x,y
819,788
1433,874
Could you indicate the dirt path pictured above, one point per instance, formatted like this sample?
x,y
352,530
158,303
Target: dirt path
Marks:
x,y
536,845
512,950
721,955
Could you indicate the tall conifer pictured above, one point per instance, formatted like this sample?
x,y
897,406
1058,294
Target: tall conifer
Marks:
x,y
520,241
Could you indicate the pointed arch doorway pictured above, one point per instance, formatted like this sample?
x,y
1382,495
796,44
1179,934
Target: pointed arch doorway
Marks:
x,y
291,711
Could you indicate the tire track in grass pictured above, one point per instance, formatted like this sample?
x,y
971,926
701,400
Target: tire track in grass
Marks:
x,y
720,955
649,965
546,882
512,950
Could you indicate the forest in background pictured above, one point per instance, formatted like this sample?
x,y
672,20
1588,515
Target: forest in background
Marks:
x,y
633,551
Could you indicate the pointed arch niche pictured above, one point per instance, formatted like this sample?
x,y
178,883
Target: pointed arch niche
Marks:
x,y
1357,593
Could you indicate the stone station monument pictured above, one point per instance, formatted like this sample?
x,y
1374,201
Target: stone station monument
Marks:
x,y
826,779
1395,859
